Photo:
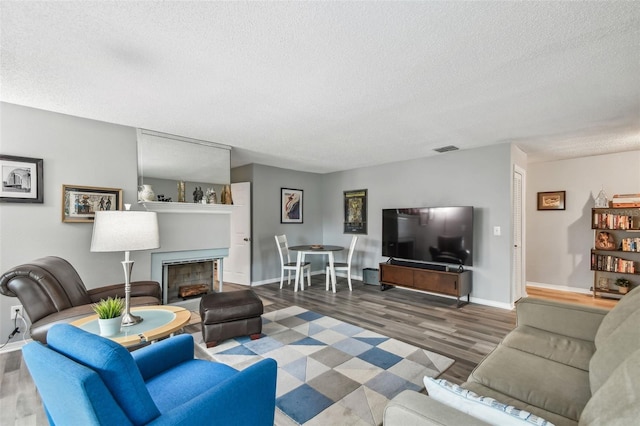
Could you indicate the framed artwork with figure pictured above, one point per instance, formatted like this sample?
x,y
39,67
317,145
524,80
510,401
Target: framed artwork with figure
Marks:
x,y
80,203
291,205
355,211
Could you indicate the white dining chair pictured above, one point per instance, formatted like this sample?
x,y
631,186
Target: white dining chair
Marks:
x,y
341,266
287,265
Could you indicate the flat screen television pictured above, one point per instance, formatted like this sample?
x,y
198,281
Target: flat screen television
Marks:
x,y
429,234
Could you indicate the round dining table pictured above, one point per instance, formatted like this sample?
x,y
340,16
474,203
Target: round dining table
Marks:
x,y
303,250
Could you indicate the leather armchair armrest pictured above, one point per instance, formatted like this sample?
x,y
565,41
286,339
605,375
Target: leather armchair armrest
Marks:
x,y
566,319
410,408
138,288
163,355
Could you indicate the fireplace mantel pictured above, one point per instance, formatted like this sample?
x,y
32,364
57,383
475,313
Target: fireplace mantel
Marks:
x,y
165,207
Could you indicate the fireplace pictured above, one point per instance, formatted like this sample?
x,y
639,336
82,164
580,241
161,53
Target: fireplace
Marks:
x,y
187,272
190,279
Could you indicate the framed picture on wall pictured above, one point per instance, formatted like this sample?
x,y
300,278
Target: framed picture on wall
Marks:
x,y
551,200
80,203
291,205
355,211
21,179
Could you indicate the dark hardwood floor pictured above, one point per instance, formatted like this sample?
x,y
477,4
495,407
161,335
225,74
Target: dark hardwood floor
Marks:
x,y
465,334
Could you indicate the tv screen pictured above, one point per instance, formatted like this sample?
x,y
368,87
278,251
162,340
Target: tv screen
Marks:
x,y
429,234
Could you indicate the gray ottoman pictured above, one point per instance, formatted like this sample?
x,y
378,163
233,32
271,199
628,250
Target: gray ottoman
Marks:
x,y
230,314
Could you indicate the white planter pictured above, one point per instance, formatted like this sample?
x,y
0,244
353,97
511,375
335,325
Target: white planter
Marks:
x,y
110,327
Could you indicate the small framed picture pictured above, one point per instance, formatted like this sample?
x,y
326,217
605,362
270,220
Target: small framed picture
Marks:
x,y
290,205
80,203
551,200
21,180
355,211
604,283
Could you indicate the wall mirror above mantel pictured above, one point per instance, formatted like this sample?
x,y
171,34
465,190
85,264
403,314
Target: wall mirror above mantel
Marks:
x,y
165,160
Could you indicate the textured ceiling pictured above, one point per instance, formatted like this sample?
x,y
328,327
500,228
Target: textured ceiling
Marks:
x,y
326,86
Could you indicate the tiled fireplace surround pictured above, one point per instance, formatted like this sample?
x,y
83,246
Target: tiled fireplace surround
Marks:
x,y
176,268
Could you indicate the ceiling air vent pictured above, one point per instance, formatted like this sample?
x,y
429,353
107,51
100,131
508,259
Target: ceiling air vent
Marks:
x,y
447,148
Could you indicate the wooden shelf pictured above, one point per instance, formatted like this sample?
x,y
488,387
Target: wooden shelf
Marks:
x,y
622,224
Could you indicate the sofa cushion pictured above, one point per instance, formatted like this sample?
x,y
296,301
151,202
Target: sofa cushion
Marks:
x,y
555,347
485,408
614,349
625,307
537,381
616,401
554,418
166,390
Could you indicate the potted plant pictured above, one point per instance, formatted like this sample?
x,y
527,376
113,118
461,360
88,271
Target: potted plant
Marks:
x,y
623,285
109,315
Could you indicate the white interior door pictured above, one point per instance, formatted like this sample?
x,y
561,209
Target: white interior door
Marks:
x,y
518,279
237,267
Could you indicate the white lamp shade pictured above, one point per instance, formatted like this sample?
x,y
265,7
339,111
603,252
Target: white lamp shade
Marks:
x,y
125,231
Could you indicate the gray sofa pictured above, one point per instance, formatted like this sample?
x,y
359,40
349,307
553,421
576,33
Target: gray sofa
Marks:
x,y
566,363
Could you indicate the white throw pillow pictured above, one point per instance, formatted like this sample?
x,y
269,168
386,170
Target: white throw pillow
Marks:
x,y
482,407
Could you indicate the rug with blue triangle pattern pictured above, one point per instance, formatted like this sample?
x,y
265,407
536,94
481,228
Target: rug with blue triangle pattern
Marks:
x,y
330,372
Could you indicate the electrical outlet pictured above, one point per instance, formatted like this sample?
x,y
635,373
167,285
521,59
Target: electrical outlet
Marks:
x,y
14,309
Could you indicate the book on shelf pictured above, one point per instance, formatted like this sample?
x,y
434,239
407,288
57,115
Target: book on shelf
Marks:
x,y
616,221
607,263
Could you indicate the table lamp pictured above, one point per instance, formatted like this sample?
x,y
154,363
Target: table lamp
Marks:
x,y
125,231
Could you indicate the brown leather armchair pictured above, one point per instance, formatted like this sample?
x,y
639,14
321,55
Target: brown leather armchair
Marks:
x,y
51,292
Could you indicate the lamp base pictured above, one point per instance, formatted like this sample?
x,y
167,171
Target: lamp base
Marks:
x,y
129,319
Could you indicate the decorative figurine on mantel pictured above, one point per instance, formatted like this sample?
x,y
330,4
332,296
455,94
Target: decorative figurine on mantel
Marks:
x,y
601,200
211,196
197,194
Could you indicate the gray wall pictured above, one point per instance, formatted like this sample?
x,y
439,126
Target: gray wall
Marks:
x,y
479,178
559,242
83,152
265,193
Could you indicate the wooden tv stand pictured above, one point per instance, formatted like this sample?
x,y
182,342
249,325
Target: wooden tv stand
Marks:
x,y
457,284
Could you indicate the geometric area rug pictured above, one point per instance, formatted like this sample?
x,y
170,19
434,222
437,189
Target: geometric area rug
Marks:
x,y
330,372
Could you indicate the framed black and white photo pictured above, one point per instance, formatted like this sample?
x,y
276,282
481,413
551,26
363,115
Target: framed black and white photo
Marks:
x,y
21,179
290,205
80,203
355,211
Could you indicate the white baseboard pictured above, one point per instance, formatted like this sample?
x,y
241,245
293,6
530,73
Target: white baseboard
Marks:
x,y
15,346
492,303
559,287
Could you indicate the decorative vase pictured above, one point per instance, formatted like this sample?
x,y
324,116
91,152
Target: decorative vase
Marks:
x,y
146,193
181,198
110,326
623,290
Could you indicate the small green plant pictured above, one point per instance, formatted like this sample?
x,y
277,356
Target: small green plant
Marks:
x,y
110,308
623,282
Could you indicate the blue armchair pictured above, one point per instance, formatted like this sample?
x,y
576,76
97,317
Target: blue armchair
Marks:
x,y
86,379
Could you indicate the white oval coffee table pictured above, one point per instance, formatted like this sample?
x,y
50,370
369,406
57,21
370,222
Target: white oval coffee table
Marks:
x,y
158,322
